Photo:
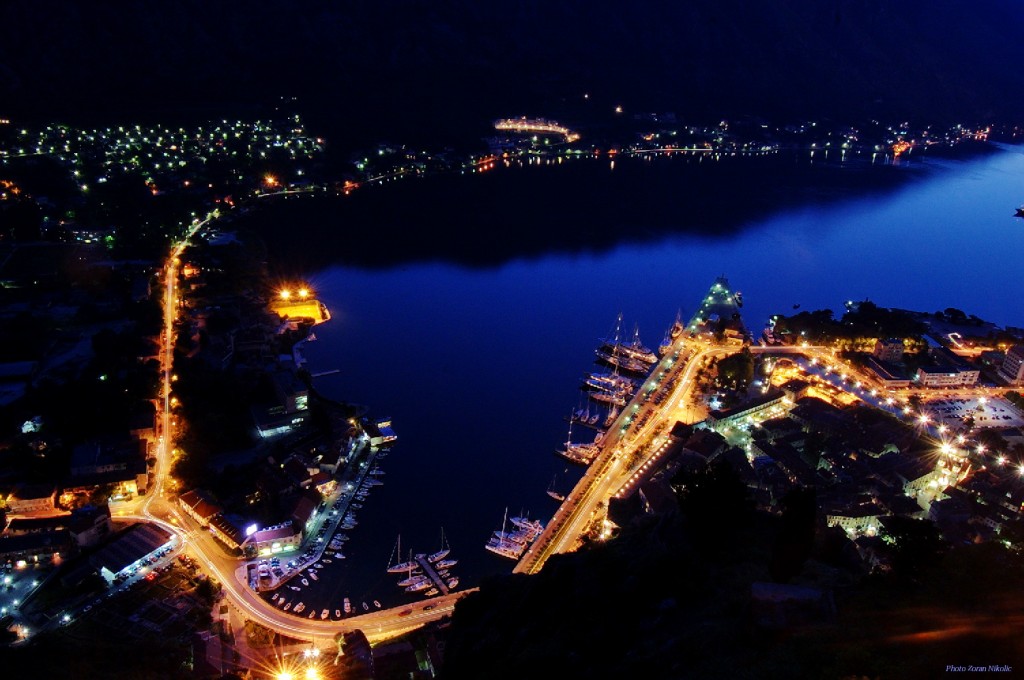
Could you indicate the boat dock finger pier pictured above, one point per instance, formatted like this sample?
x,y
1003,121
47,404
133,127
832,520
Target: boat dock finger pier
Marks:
x,y
431,573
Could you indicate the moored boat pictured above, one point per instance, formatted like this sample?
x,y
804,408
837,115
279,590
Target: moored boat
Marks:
x,y
398,568
442,553
416,587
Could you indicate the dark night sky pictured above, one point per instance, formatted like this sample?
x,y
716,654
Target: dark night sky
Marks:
x,y
369,66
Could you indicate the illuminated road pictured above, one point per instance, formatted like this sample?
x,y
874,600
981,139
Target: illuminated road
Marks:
x,y
622,442
625,441
157,507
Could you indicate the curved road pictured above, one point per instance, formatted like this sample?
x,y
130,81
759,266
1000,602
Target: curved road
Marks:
x,y
158,507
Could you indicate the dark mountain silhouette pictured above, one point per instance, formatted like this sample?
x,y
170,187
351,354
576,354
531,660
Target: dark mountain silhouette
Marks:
x,y
381,67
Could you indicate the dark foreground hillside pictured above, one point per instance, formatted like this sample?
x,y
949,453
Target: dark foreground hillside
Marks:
x,y
687,596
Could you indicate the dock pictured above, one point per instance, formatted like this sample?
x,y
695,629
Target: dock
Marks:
x,y
431,573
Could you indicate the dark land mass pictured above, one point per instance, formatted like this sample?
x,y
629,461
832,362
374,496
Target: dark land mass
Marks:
x,y
700,593
579,206
430,71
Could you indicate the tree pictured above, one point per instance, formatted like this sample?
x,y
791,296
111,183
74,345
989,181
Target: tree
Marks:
x,y
918,546
714,500
737,369
795,539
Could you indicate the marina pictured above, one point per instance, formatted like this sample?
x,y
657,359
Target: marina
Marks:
x,y
427,574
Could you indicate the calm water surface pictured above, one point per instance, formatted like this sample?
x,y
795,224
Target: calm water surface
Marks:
x,y
479,367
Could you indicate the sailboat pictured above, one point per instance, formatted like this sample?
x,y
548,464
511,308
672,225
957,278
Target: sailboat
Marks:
x,y
557,495
671,334
581,454
502,543
442,553
401,566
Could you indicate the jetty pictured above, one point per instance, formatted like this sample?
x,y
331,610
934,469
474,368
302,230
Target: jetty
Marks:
x,y
431,573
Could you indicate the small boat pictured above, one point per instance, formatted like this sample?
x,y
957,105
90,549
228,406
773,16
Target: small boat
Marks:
x,y
412,580
324,614
337,613
1020,212
288,606
366,607
319,565
339,555
432,592
416,587
445,564
305,582
313,576
357,506
328,560
347,606
376,604
299,607
558,496
312,614
295,588
453,582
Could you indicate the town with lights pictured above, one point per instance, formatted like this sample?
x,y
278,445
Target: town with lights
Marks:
x,y
145,340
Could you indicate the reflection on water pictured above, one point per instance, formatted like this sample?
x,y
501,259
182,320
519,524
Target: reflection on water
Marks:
x,y
479,366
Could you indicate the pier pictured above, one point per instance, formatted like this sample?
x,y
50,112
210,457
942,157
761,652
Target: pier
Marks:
x,y
431,573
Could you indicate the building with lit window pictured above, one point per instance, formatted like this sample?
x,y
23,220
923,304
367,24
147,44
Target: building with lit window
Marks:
x,y
29,498
1012,370
946,370
197,506
888,350
130,551
276,539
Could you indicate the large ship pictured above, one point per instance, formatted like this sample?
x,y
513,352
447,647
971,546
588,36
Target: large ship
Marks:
x,y
504,548
580,454
507,544
532,528
616,398
609,382
632,356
